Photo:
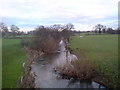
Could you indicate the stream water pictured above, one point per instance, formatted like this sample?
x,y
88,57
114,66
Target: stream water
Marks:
x,y
46,77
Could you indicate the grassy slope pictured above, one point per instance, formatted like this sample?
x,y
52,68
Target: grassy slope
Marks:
x,y
12,59
102,49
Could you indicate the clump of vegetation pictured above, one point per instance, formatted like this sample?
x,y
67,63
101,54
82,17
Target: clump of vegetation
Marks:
x,y
80,69
45,40
85,69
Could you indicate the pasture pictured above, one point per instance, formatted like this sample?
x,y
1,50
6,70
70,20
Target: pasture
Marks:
x,y
12,58
100,49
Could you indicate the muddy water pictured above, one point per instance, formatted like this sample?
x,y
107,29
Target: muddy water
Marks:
x,y
46,77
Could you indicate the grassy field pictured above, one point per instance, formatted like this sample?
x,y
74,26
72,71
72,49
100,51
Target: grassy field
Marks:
x,y
0,62
19,36
100,49
12,58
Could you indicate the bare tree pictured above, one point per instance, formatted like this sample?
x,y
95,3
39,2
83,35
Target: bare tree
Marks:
x,y
99,28
104,29
69,26
14,30
110,31
56,27
3,29
66,32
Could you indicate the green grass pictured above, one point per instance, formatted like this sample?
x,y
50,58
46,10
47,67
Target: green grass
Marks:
x,y
20,36
24,36
12,58
0,62
100,49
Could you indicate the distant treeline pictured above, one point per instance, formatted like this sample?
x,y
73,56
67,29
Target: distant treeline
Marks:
x,y
98,29
15,30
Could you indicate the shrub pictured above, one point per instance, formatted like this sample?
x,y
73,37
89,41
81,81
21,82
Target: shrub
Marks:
x,y
81,69
84,69
46,40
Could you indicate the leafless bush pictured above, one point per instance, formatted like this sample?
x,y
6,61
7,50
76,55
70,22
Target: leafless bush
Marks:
x,y
85,69
46,40
82,69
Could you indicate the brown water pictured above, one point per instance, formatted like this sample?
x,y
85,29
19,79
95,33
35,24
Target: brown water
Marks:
x,y
46,77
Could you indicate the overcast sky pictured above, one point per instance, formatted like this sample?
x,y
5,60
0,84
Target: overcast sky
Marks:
x,y
84,14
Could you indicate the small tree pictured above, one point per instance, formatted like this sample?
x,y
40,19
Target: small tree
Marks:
x,y
69,26
110,31
66,32
14,30
104,29
3,29
56,27
99,28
